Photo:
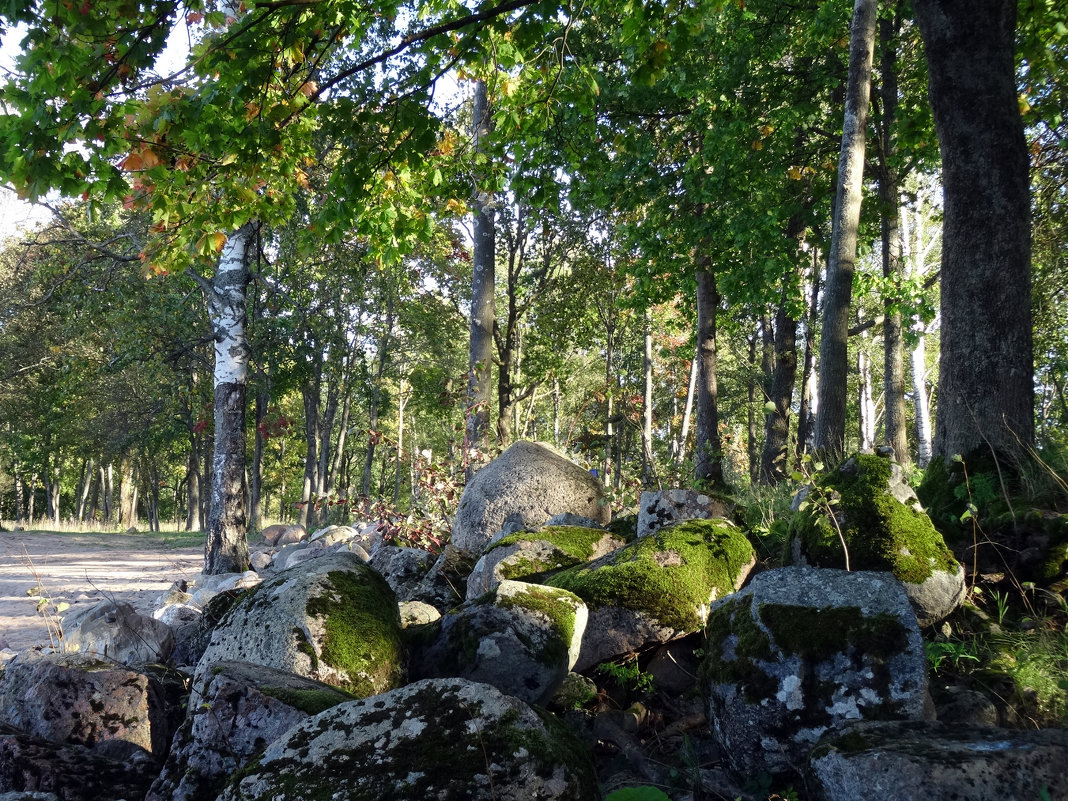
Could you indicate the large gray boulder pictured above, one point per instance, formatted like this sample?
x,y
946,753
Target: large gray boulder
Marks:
x,y
895,761
527,484
241,709
402,568
333,619
521,638
801,651
117,631
435,739
81,699
658,587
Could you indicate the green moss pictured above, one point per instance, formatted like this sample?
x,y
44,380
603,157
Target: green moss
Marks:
x,y
560,612
571,545
305,647
732,623
361,638
312,701
669,575
880,532
812,633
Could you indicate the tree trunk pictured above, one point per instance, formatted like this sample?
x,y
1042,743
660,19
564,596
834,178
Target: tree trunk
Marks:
x,y
310,392
255,506
890,213
781,393
834,364
921,404
986,389
20,508
648,459
866,400
752,449
806,414
687,411
483,314
107,505
192,486
226,549
128,517
88,472
709,450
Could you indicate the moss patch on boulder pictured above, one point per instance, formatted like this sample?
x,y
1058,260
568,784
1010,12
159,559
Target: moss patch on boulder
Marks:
x,y
881,533
361,631
671,575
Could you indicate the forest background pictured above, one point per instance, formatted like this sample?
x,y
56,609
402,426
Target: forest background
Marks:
x,y
619,235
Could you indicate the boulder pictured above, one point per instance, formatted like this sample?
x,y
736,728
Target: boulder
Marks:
x,y
208,586
237,712
116,631
530,554
522,639
903,761
528,483
445,584
437,738
402,568
882,532
66,772
657,588
664,507
273,534
333,619
83,700
801,651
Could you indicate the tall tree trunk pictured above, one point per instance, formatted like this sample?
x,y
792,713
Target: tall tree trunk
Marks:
x,y
311,393
751,400
226,548
483,315
709,449
30,513
342,438
20,507
687,411
648,459
88,472
402,400
921,403
326,433
255,494
556,410
986,388
781,393
192,486
609,405
128,517
866,400
107,505
806,414
890,213
834,363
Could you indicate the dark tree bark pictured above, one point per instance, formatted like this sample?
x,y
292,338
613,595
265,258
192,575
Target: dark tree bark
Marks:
x,y
708,448
780,392
893,266
226,549
985,391
483,263
838,292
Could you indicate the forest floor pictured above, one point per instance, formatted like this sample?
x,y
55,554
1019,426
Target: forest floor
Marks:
x,y
81,569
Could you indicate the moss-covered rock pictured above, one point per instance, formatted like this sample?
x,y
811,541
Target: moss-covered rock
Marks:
x,y
531,555
801,650
859,503
332,618
658,587
446,739
521,638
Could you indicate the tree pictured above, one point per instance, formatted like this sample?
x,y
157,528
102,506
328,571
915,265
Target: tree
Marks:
x,y
985,389
838,288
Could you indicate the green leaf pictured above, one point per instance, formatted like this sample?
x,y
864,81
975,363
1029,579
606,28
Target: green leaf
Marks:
x,y
637,794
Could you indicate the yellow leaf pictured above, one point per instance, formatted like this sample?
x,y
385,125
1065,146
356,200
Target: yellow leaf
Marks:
x,y
794,173
456,206
218,239
758,145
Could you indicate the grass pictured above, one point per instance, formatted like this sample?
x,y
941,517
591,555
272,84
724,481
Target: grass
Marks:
x,y
169,538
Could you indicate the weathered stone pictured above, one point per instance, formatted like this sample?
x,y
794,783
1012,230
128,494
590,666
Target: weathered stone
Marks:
x,y
527,554
118,632
881,533
208,586
657,588
68,772
800,651
260,560
522,639
895,761
82,700
333,619
417,613
273,535
402,568
529,483
664,507
434,739
445,583
238,711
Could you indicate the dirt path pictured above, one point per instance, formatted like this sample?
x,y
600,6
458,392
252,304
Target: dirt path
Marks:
x,y
81,569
